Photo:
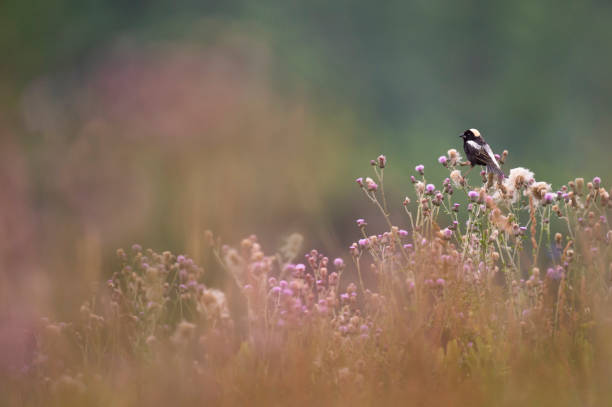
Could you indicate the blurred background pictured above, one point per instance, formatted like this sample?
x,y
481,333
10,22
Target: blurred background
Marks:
x,y
146,122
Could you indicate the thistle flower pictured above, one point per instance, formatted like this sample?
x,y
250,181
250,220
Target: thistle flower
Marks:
x,y
548,198
539,190
429,189
361,223
370,184
382,161
338,263
596,182
359,181
419,187
364,243
457,178
473,195
447,233
453,157
420,169
518,178
442,160
403,233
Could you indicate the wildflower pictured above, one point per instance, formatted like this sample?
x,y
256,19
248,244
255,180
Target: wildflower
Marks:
x,y
518,178
473,195
447,233
406,201
457,178
440,282
370,184
420,169
453,157
359,181
403,233
429,189
339,263
136,247
382,161
456,207
596,182
361,223
442,160
419,187
539,190
354,249
364,243
555,273
548,198
579,185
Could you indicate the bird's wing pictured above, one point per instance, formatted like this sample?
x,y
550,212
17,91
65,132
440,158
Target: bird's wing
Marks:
x,y
488,150
483,153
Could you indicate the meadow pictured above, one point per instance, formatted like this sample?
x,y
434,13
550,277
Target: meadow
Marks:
x,y
497,294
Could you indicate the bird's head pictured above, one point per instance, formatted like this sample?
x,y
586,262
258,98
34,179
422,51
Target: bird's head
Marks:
x,y
470,134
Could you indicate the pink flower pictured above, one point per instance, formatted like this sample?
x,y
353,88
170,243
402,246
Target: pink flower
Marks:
x,y
382,161
420,169
370,184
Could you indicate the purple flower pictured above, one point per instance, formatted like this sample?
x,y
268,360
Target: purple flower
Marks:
x,y
420,169
364,242
473,195
180,258
456,207
596,182
361,222
442,160
136,247
359,181
382,161
549,198
371,185
339,263
555,273
447,233
300,268
403,233
440,282
276,290
408,246
430,188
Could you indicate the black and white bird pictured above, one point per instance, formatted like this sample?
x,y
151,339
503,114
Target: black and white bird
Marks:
x,y
478,152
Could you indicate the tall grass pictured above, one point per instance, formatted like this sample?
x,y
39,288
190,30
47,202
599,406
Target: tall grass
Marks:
x,y
497,294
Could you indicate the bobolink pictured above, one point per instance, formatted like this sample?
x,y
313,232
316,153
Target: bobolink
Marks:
x,y
478,152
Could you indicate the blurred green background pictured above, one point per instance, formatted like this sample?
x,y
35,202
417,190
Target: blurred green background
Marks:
x,y
145,121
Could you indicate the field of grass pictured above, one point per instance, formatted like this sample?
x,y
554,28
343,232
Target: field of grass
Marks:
x,y
498,294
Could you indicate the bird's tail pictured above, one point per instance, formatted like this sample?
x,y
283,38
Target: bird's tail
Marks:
x,y
496,170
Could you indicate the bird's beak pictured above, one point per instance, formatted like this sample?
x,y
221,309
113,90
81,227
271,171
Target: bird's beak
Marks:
x,y
461,136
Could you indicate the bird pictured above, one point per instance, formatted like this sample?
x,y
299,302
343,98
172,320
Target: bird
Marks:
x,y
478,152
